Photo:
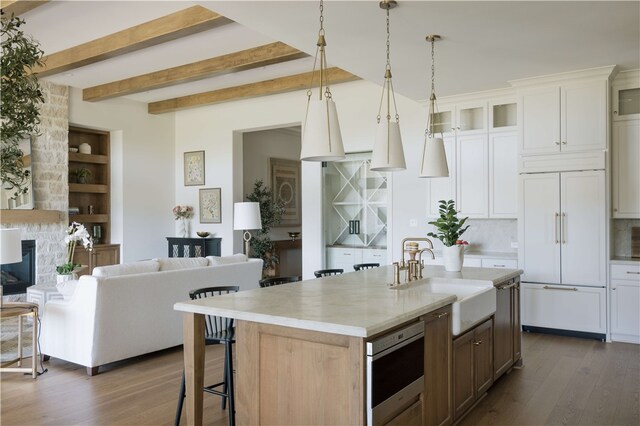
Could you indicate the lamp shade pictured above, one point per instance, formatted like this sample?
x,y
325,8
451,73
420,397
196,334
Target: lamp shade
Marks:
x,y
321,138
434,159
388,154
10,246
246,216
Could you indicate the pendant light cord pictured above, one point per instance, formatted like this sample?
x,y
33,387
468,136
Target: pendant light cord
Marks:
x,y
388,83
432,98
321,44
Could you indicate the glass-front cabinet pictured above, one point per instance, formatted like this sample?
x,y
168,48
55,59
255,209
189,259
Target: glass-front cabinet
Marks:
x,y
355,203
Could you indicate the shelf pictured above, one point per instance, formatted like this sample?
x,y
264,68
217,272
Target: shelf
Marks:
x,y
88,158
88,187
89,218
31,216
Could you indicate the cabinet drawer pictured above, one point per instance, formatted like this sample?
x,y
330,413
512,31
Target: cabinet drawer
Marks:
x,y
374,256
625,272
564,307
472,261
499,263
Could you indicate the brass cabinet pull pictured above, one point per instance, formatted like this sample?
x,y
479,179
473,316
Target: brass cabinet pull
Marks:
x,y
555,228
478,343
546,287
564,230
440,315
564,142
557,143
634,273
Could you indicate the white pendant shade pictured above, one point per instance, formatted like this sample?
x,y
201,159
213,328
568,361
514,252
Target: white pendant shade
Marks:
x,y
434,159
388,154
321,138
10,246
246,216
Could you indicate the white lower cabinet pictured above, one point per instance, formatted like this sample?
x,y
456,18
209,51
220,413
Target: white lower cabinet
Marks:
x,y
561,307
491,262
345,258
625,303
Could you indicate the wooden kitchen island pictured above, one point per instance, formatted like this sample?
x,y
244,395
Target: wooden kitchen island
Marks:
x,y
301,347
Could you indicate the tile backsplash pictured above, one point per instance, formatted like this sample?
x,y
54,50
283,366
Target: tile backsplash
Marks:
x,y
622,236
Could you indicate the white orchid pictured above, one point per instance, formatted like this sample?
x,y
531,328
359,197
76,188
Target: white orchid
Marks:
x,y
75,233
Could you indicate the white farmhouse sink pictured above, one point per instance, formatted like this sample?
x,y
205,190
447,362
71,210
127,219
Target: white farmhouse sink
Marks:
x,y
476,300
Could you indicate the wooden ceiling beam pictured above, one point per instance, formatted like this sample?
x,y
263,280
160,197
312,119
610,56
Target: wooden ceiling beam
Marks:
x,y
251,90
18,7
255,57
170,27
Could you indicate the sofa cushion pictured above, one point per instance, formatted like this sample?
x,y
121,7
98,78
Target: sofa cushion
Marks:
x,y
126,269
226,260
67,288
173,263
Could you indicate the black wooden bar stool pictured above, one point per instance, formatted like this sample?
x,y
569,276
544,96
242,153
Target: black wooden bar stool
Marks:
x,y
218,330
361,266
327,272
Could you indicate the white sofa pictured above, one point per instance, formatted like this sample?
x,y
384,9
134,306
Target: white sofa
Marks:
x,y
122,311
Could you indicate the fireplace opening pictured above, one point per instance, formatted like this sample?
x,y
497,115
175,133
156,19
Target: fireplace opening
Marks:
x,y
16,277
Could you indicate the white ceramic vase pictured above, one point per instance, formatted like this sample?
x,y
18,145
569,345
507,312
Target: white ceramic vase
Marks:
x,y
182,227
453,258
60,278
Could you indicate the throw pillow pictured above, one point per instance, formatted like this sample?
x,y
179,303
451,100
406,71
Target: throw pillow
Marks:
x,y
126,269
226,260
173,263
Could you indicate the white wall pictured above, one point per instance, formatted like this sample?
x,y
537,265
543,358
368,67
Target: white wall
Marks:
x,y
216,129
142,172
258,148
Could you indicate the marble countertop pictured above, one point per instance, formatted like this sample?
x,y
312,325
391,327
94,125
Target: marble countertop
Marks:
x,y
625,260
355,303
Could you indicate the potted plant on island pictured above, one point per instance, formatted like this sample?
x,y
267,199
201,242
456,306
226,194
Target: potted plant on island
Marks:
x,y
449,230
75,233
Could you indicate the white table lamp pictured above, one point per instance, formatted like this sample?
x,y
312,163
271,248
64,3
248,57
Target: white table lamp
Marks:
x,y
246,216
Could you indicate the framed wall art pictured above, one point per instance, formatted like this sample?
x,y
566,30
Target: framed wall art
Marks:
x,y
210,205
194,168
285,184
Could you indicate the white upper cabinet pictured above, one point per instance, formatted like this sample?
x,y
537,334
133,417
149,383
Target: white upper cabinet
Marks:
x,y
584,116
540,121
473,175
503,175
570,116
626,97
471,117
625,169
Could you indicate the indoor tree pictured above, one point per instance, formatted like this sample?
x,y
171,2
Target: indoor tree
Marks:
x,y
271,213
20,99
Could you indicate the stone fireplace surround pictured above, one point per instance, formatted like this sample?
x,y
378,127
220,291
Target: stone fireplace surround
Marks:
x,y
50,182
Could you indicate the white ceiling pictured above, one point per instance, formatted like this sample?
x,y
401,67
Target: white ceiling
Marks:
x,y
485,44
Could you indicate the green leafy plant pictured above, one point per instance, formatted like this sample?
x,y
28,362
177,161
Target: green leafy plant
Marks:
x,y
20,99
449,227
271,213
82,174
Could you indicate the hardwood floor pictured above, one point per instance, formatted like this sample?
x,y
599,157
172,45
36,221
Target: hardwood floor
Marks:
x,y
564,381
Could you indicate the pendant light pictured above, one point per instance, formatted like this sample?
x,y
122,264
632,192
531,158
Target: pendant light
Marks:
x,y
434,159
321,138
388,155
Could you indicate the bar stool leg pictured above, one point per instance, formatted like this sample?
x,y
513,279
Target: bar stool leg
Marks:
x,y
19,340
34,350
230,385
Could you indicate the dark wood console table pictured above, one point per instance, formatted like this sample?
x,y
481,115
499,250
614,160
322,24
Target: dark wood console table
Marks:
x,y
193,247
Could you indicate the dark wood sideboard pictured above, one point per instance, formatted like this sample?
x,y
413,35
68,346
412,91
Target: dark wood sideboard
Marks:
x,y
193,247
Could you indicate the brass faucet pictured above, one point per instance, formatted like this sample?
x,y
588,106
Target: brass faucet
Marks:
x,y
413,267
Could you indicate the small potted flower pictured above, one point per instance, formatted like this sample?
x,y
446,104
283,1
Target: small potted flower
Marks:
x,y
181,214
449,230
76,233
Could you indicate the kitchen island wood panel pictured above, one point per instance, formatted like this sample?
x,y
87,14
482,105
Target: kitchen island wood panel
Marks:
x,y
291,377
